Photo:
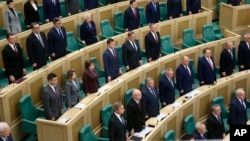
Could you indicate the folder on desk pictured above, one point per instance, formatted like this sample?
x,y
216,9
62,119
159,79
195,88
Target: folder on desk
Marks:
x,y
135,138
161,117
144,132
63,119
79,105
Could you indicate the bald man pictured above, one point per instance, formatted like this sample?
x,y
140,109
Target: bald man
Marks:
x,y
5,132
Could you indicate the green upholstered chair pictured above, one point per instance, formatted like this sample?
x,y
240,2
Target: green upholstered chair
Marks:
x,y
193,69
72,43
170,136
208,33
29,114
86,134
143,21
102,3
167,46
81,5
128,95
27,64
21,19
4,81
107,30
41,15
119,49
189,124
3,33
189,38
102,78
143,54
64,12
163,11
247,1
119,21
106,112
218,5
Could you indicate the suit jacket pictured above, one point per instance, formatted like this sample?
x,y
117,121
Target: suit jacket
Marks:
x,y
237,113
52,102
196,135
9,138
72,92
37,53
174,8
131,21
12,22
227,64
152,15
234,2
13,63
90,81
56,43
183,79
116,130
51,10
31,15
87,33
111,64
166,90
153,48
244,55
205,72
91,4
113,1
135,116
214,127
131,56
72,6
194,6
150,102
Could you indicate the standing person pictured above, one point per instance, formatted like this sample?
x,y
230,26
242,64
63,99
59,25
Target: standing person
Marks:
x,y
57,40
167,88
11,19
135,116
199,132
227,60
72,89
52,98
153,43
206,68
51,9
153,12
5,134
117,125
13,59
72,7
132,17
184,76
234,2
91,4
238,109
215,124
88,30
244,53
113,1
193,6
150,99
90,78
174,8
131,52
37,48
111,61
31,13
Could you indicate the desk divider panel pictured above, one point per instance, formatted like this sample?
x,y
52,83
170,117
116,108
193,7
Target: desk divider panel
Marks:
x,y
241,80
152,69
115,92
3,7
224,89
19,6
181,24
170,61
142,3
3,43
106,13
76,60
166,28
227,13
70,23
122,6
132,79
242,15
144,31
173,123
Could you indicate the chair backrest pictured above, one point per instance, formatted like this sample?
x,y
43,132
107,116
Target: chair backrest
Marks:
x,y
71,41
86,134
189,124
166,44
128,95
163,11
193,69
3,33
63,10
40,12
220,100
119,50
97,66
106,112
208,32
247,1
21,19
27,108
79,30
170,136
188,37
142,16
143,84
106,28
119,19
81,5
102,3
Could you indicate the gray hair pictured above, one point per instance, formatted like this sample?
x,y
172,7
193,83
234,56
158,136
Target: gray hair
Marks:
x,y
247,35
214,106
239,90
86,15
148,79
3,125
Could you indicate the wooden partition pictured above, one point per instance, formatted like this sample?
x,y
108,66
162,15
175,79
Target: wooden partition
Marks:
x,y
211,4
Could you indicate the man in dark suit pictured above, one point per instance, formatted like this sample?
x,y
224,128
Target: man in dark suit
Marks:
x,y
5,132
111,61
37,48
135,116
117,125
227,60
132,17
153,43
174,8
215,124
13,59
238,109
167,88
52,98
153,12
193,6
150,99
234,2
244,53
199,132
57,40
206,68
91,4
51,9
184,76
131,52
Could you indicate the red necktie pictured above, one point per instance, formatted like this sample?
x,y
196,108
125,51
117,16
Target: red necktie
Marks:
x,y
210,63
156,38
134,12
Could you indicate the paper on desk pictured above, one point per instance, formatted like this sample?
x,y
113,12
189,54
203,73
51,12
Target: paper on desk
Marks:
x,y
161,116
176,104
79,105
144,132
192,93
63,119
103,89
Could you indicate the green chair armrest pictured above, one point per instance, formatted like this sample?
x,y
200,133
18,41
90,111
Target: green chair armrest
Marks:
x,y
184,46
118,29
163,53
28,126
204,40
69,51
198,42
105,132
102,139
177,49
41,112
248,104
80,45
117,33
218,37
103,37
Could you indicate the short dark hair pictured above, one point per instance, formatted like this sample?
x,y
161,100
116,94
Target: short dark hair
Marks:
x,y
8,35
33,24
130,33
131,1
56,19
88,63
9,1
110,40
205,50
50,76
70,74
117,105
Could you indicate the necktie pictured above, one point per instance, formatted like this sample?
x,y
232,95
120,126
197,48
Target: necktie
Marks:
x,y
122,120
15,49
210,63
113,50
54,2
6,139
40,39
60,33
152,91
139,105
90,25
218,117
134,12
134,45
171,82
156,38
243,104
155,7
187,68
231,54
248,44
55,90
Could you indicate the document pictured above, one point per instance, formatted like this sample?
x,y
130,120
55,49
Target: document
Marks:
x,y
79,105
103,89
63,119
161,116
176,104
192,93
144,132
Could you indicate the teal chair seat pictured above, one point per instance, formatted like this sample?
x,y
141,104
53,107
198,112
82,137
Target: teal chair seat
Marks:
x,y
189,124
208,33
123,67
86,134
21,19
4,81
106,112
119,21
41,15
107,30
170,136
167,46
143,21
3,33
72,43
163,11
189,38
